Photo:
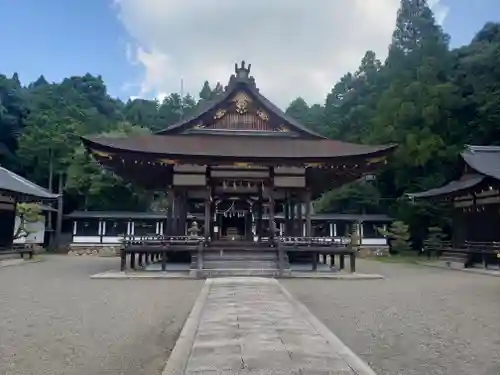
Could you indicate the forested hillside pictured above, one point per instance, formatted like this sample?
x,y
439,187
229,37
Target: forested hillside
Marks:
x,y
427,98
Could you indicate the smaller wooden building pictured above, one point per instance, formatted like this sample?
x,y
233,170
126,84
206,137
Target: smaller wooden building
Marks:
x,y
107,228
98,228
474,196
14,189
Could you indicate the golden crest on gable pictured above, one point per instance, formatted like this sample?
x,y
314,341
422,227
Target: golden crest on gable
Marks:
x,y
282,129
219,114
376,160
102,154
241,101
199,126
166,161
263,115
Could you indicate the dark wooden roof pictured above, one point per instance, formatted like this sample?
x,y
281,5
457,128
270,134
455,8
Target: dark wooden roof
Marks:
x,y
483,159
343,217
241,81
126,215
12,183
162,216
482,163
457,186
234,146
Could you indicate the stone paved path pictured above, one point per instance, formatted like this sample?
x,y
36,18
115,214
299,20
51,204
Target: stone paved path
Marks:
x,y
254,326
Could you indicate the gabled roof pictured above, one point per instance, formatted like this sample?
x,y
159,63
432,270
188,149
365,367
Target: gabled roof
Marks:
x,y
457,186
482,162
232,146
240,81
483,159
13,183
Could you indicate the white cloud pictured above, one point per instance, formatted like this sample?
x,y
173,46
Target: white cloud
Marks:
x,y
296,47
440,10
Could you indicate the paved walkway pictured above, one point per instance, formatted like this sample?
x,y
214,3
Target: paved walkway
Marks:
x,y
254,326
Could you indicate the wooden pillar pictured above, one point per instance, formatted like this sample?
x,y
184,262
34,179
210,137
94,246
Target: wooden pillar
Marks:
x,y
314,260
300,220
175,214
293,224
208,216
248,226
258,224
271,216
59,212
132,260
123,259
182,213
170,212
286,214
308,214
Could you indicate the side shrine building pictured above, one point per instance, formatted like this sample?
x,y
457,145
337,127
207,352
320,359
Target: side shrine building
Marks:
x,y
238,161
474,196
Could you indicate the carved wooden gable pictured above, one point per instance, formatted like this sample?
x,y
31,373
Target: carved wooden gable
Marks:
x,y
242,113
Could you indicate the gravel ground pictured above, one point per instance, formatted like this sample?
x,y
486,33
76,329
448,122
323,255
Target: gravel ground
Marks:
x,y
418,321
55,320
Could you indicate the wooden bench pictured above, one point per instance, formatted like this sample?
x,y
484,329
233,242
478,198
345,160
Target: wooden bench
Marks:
x,y
19,249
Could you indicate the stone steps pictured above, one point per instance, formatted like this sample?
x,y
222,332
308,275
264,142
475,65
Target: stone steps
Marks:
x,y
239,272
240,255
240,264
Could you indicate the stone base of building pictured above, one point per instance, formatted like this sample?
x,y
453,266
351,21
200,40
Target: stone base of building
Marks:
x,y
371,252
102,251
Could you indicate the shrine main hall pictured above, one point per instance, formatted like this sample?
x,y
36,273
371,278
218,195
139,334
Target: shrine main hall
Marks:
x,y
238,162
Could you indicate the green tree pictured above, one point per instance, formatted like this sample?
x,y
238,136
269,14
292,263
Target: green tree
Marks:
x,y
99,189
399,237
206,91
28,214
13,113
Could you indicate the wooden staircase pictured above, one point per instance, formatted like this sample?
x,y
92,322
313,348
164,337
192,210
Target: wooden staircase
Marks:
x,y
239,258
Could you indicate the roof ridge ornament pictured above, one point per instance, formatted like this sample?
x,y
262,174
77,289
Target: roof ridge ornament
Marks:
x,y
241,71
242,74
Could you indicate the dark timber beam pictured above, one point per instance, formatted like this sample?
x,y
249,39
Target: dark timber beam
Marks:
x,y
170,213
307,199
208,215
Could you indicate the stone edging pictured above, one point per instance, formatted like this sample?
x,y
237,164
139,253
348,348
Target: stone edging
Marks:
x,y
467,270
353,361
177,362
18,262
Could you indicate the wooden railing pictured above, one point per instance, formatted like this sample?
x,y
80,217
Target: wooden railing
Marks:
x,y
472,251
316,246
153,248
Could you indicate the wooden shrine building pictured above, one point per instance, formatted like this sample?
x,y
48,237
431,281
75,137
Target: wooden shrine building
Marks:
x,y
15,189
237,159
475,200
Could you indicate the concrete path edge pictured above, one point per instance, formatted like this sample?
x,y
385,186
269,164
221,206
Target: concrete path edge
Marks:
x,y
357,364
475,271
177,362
18,262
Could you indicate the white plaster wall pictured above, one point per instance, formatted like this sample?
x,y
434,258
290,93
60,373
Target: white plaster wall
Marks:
x,y
37,235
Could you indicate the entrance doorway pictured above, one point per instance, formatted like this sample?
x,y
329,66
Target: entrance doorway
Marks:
x,y
233,227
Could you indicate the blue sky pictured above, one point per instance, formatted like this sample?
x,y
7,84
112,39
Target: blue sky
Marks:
x,y
59,38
